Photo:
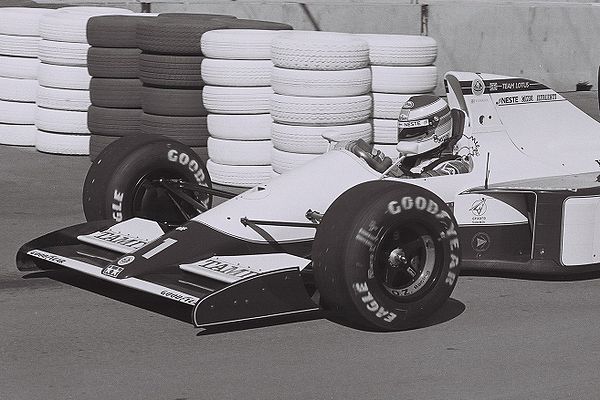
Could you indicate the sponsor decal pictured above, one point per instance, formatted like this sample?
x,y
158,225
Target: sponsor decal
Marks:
x,y
112,270
120,239
413,124
181,228
117,206
471,149
477,87
225,268
480,242
479,207
47,256
125,260
178,296
526,98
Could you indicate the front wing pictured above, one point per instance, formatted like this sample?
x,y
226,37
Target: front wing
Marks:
x,y
273,293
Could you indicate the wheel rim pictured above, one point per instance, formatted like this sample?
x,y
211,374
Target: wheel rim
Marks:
x,y
405,261
159,196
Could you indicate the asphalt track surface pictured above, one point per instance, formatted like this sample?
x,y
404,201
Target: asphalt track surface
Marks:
x,y
64,336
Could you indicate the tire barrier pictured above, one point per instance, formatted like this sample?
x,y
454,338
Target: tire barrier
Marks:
x,y
19,42
238,97
322,82
115,88
401,66
63,95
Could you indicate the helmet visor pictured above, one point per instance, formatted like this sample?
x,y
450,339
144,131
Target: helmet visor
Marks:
x,y
413,130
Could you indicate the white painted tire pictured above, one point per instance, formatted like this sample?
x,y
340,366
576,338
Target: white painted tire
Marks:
x,y
247,73
237,100
309,139
21,21
404,80
19,67
236,175
63,99
388,105
319,51
13,112
240,127
283,161
20,46
17,135
296,110
56,143
385,131
63,53
295,82
69,24
64,76
18,89
239,44
395,50
239,152
62,121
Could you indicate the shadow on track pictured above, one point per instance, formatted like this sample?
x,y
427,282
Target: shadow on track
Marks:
x,y
451,309
132,297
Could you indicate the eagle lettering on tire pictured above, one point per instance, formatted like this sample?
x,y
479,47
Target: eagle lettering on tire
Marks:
x,y
394,262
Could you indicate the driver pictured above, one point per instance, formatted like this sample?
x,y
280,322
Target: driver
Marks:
x,y
426,140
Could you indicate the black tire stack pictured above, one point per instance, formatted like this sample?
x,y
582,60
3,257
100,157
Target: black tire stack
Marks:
x,y
115,88
170,74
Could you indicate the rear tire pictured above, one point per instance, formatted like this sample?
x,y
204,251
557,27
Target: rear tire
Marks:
x,y
123,181
386,255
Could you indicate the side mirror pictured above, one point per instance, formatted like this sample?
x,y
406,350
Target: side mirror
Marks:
x,y
332,137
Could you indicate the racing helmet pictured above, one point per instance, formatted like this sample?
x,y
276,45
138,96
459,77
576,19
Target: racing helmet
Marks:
x,y
424,125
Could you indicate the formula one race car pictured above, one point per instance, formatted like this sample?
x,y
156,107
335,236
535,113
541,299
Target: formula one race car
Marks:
x,y
382,250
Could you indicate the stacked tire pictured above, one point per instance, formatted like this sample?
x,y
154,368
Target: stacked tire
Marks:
x,y
63,95
170,62
321,82
402,66
19,41
115,87
237,72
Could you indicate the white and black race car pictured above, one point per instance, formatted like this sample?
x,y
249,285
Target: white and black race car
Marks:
x,y
382,252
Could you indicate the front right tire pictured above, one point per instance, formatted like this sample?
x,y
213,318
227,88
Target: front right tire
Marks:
x,y
386,255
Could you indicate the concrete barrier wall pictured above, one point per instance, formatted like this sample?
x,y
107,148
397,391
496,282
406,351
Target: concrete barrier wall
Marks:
x,y
555,42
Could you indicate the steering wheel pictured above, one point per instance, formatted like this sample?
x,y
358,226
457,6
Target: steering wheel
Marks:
x,y
374,158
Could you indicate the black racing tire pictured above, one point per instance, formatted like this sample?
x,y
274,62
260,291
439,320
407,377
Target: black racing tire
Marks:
x,y
165,36
122,181
171,71
113,30
386,255
173,102
114,121
192,131
116,93
106,62
99,143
